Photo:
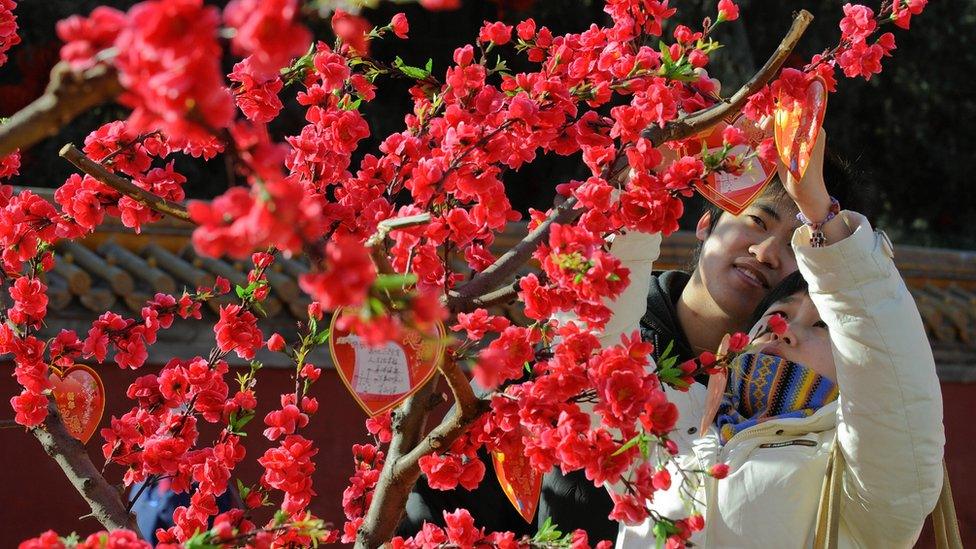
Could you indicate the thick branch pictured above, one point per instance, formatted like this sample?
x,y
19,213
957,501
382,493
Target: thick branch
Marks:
x,y
402,468
686,126
390,497
105,501
502,296
506,265
68,94
124,186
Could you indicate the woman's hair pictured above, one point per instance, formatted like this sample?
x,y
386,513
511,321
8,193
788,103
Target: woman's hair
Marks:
x,y
791,285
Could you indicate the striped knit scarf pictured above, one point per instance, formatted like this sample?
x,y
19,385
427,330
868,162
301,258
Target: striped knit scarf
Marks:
x,y
763,387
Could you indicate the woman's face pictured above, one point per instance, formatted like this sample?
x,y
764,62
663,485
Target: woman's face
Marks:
x,y
806,340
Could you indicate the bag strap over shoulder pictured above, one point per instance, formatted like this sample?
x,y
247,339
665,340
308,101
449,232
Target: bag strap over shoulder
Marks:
x,y
944,520
828,513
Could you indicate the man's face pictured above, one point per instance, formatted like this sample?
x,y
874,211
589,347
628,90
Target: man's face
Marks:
x,y
746,255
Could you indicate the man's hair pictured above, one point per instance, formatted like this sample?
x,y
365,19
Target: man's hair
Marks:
x,y
791,285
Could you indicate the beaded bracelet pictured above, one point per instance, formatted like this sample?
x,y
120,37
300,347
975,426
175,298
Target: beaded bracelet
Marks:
x,y
817,238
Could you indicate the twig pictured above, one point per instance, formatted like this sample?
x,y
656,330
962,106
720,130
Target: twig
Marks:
x,y
68,94
688,125
385,227
105,501
504,295
71,153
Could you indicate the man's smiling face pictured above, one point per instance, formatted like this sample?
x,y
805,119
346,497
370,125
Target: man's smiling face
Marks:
x,y
743,256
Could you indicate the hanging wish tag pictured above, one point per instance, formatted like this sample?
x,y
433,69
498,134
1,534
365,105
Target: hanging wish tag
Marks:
x,y
80,397
733,192
796,123
521,482
381,377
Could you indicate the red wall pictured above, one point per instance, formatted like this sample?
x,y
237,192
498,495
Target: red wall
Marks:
x,y
36,496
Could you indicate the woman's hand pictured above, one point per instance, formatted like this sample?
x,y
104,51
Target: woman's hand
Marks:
x,y
810,193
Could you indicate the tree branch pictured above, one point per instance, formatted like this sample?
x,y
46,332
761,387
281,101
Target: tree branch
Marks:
x,y
504,295
390,496
402,467
512,260
68,94
686,126
71,153
105,501
689,125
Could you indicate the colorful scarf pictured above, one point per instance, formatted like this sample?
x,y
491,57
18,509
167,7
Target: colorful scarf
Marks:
x,y
763,387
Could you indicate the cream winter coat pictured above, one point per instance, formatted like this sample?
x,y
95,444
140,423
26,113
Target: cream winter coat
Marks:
x,y
888,419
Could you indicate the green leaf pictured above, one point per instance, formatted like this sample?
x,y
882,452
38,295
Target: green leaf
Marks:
x,y
321,338
413,72
200,540
665,52
629,444
548,532
239,290
668,349
429,66
395,281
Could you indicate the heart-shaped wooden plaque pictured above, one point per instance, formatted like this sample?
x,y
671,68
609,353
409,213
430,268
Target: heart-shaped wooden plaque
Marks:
x,y
80,396
380,378
796,124
734,192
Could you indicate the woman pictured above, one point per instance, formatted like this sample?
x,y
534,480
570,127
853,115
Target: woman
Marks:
x,y
856,330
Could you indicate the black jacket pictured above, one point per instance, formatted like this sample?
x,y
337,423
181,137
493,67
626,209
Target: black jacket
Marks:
x,y
570,501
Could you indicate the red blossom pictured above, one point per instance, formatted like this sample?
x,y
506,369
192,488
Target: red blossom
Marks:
x,y
400,25
777,324
276,343
169,63
858,22
347,277
719,470
497,33
30,408
237,331
353,30
268,32
257,95
727,10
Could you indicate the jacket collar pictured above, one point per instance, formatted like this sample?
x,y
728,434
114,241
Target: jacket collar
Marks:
x,y
660,324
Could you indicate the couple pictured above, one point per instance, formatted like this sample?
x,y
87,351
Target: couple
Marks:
x,y
852,329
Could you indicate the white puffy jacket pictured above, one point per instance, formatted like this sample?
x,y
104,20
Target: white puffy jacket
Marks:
x,y
888,419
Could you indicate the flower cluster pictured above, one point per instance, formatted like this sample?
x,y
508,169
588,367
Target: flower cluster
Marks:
x,y
8,28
